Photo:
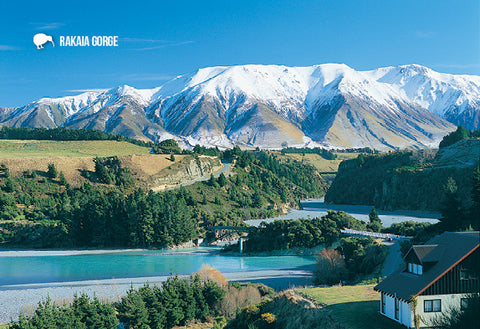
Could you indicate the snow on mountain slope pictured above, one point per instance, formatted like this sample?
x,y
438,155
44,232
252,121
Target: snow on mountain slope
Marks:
x,y
270,105
446,95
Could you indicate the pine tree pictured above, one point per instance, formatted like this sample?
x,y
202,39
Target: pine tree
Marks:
x,y
475,195
451,207
102,173
132,311
172,158
222,181
52,171
375,224
63,180
156,312
257,201
212,181
373,216
9,186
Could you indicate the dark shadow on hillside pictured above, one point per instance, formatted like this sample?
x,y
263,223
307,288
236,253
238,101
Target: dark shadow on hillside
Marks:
x,y
89,175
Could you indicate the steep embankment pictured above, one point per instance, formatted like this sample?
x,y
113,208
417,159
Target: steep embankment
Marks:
x,y
406,180
186,171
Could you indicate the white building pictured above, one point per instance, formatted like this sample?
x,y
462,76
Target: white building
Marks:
x,y
435,278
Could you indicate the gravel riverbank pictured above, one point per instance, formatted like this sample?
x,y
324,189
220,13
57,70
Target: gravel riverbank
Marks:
x,y
23,298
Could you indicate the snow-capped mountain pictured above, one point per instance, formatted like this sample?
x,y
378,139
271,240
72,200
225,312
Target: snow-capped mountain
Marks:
x,y
271,105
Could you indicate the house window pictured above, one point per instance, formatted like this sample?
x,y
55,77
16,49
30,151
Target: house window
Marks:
x,y
419,270
434,305
396,308
415,268
464,303
383,303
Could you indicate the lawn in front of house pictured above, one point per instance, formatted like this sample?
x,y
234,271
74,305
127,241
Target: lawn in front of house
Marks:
x,y
356,307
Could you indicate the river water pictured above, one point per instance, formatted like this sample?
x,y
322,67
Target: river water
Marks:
x,y
26,277
317,208
19,269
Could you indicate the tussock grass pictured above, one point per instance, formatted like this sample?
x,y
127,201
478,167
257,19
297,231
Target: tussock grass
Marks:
x,y
294,311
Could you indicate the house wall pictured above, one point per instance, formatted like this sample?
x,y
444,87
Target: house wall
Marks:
x,y
404,311
451,282
448,302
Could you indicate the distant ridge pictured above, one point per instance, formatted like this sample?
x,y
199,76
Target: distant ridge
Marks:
x,y
270,106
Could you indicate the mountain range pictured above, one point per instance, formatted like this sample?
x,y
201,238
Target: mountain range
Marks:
x,y
270,106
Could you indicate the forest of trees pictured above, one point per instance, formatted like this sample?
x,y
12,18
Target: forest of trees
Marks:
x,y
41,212
64,134
455,215
168,146
397,180
324,153
460,134
302,233
177,302
92,216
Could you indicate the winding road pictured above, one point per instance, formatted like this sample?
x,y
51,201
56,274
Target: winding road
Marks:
x,y
394,258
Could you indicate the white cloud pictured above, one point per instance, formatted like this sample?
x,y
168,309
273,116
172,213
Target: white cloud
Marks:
x,y
141,44
47,26
7,48
420,34
141,40
166,45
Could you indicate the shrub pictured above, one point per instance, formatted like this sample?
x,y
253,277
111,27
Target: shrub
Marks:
x,y
329,268
239,297
208,273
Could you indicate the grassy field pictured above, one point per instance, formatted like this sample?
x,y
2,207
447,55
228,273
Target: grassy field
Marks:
x,y
74,157
356,307
35,148
319,162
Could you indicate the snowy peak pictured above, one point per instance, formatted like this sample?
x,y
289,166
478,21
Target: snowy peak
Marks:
x,y
440,93
270,105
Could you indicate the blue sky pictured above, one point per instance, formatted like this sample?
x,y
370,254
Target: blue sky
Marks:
x,y
159,40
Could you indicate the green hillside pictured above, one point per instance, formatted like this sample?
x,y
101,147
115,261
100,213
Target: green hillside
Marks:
x,y
406,179
41,208
46,148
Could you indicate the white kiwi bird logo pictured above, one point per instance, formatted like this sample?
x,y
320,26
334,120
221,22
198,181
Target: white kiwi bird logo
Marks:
x,y
40,39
